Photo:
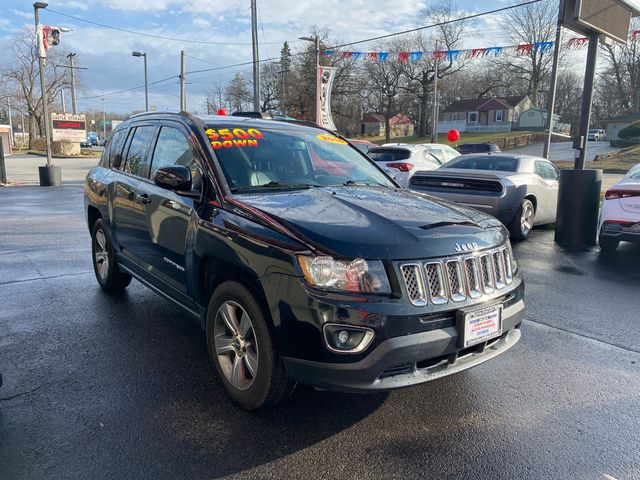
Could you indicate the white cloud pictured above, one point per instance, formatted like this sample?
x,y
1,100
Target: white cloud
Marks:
x,y
23,13
201,22
73,4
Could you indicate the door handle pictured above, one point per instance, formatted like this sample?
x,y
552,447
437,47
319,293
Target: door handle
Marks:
x,y
144,198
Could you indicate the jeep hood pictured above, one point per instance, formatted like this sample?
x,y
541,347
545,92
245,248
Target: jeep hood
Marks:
x,y
376,222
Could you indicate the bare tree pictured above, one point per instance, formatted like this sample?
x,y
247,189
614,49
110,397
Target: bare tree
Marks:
x,y
421,74
237,93
531,24
21,78
270,86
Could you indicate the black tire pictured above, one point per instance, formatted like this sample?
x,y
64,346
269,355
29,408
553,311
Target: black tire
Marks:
x,y
271,382
105,262
522,224
608,244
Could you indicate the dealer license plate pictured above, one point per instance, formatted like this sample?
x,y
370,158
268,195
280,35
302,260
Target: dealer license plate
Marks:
x,y
481,325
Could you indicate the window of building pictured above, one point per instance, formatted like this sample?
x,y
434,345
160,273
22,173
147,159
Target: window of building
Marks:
x,y
499,115
473,117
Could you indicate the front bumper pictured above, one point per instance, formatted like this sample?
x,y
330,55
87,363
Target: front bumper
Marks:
x,y
408,360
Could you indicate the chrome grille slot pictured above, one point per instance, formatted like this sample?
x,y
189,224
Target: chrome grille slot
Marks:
x,y
474,287
499,269
456,280
508,265
436,282
488,276
414,284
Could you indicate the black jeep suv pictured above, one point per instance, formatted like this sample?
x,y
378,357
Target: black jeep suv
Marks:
x,y
301,259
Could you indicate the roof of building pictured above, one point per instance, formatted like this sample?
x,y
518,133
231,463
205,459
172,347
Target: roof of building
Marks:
x,y
399,119
628,117
477,104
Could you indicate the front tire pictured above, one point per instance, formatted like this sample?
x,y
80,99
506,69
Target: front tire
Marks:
x,y
105,262
523,223
242,348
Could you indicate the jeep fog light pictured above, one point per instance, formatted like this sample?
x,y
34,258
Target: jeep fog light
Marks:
x,y
359,275
347,338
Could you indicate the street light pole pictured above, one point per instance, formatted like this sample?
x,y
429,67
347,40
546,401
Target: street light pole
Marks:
x,y
43,90
74,106
146,83
183,83
551,102
256,56
434,118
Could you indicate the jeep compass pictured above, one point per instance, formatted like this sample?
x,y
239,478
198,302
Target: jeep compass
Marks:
x,y
301,259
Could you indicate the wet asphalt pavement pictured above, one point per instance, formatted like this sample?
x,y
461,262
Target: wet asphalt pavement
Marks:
x,y
111,387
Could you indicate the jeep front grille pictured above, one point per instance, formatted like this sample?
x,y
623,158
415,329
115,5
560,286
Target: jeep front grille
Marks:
x,y
456,279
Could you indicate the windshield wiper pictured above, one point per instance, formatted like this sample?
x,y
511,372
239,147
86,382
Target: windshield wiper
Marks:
x,y
275,186
350,183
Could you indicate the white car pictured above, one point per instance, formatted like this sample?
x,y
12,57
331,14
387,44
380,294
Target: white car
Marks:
x,y
620,213
444,153
596,135
404,160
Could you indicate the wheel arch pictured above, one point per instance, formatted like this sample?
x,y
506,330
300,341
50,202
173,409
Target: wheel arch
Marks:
x,y
533,199
93,214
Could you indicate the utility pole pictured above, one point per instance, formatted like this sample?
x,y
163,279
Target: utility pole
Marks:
x,y
13,137
104,121
43,89
551,104
74,105
256,56
183,84
64,108
434,118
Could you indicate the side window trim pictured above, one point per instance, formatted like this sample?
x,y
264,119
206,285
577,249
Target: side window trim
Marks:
x,y
184,131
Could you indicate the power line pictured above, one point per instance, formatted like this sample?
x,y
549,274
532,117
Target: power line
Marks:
x,y
184,40
128,89
434,25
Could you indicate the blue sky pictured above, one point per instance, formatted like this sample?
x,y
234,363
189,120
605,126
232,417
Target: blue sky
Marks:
x,y
224,26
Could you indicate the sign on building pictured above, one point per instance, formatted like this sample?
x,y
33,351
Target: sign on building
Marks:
x,y
610,17
69,127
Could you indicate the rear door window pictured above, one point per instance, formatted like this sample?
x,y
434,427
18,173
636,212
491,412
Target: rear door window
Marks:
x,y
113,152
136,161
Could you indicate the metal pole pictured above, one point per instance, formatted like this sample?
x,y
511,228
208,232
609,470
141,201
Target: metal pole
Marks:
x,y
13,138
74,106
64,108
587,96
3,170
318,81
43,91
434,119
183,84
146,85
104,121
551,102
256,57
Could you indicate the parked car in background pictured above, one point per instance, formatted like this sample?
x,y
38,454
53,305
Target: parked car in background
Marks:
x,y
405,160
520,190
620,213
444,153
487,147
337,280
597,135
363,145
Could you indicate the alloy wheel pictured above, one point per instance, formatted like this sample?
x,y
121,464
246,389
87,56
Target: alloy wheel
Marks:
x,y
526,220
101,254
235,345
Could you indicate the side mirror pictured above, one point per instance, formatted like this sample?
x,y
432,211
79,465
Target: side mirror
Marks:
x,y
174,177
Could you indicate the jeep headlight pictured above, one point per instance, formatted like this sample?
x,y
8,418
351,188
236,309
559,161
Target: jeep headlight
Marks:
x,y
357,275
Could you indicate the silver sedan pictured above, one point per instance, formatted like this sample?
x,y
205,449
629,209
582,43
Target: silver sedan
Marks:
x,y
520,190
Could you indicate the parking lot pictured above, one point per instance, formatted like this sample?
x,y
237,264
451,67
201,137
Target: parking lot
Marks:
x,y
99,386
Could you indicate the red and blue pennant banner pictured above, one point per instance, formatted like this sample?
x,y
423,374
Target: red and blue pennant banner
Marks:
x,y
489,52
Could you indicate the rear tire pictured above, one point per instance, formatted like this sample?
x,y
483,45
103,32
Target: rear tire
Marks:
x,y
522,224
243,350
608,244
105,262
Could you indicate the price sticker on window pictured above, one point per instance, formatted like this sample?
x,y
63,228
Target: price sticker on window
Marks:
x,y
233,137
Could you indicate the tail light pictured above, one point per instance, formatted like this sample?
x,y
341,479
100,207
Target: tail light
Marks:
x,y
614,194
402,166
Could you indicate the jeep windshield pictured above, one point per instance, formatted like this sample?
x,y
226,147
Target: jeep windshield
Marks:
x,y
274,159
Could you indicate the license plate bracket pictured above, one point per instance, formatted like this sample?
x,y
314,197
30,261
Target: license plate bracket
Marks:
x,y
479,324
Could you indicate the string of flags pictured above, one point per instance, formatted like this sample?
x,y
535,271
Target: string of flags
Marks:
x,y
471,53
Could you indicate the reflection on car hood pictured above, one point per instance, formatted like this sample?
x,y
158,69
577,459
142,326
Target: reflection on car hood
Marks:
x,y
374,222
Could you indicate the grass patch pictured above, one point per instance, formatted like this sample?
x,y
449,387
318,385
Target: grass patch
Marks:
x,y
617,162
465,137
